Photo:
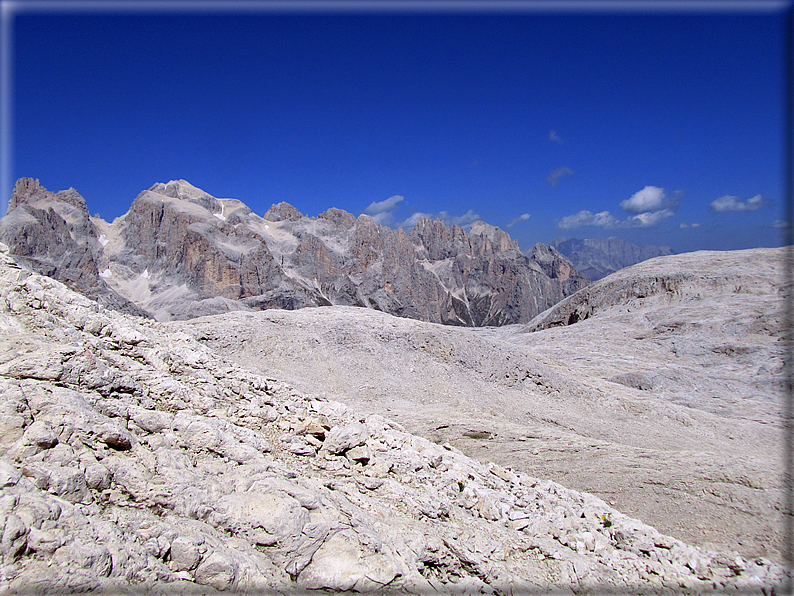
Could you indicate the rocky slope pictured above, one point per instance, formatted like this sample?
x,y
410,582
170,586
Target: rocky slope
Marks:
x,y
595,258
180,253
665,401
133,459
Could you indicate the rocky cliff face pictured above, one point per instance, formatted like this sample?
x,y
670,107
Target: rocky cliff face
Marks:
x,y
596,258
135,460
180,253
52,233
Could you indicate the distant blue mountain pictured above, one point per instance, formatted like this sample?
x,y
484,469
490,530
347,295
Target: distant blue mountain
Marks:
x,y
598,257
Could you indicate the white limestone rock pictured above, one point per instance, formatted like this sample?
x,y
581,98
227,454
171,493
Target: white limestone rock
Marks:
x,y
145,489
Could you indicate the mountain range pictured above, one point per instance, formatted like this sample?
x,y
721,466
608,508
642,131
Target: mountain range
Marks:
x,y
365,446
179,253
595,258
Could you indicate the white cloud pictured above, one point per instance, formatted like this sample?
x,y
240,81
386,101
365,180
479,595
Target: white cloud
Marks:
x,y
555,175
554,137
413,220
383,219
649,206
731,203
587,218
459,220
684,226
606,220
378,207
780,223
650,198
464,221
519,219
649,219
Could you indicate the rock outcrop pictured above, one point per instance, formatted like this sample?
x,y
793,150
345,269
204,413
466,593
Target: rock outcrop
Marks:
x,y
180,253
595,258
714,275
133,459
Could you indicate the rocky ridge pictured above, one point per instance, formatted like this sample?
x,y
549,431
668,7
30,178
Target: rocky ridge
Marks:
x,y
595,258
180,253
53,234
690,278
134,459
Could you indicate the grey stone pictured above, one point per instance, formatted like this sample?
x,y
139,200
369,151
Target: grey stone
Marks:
x,y
218,570
68,483
343,438
184,555
41,434
342,563
9,475
115,436
14,537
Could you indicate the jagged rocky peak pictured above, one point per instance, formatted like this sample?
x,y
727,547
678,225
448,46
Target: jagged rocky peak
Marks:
x,y
283,211
53,234
499,239
339,217
26,190
180,196
69,204
552,262
435,241
182,189
181,253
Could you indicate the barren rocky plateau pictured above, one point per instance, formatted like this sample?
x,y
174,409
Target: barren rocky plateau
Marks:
x,y
663,398
141,457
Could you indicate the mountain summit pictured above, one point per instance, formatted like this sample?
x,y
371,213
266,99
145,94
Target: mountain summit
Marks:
x,y
179,253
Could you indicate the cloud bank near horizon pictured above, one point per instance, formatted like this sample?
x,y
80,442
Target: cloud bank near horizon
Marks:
x,y
648,207
731,203
383,214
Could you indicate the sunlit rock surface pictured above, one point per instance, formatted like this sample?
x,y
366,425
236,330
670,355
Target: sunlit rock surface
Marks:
x,y
664,399
134,459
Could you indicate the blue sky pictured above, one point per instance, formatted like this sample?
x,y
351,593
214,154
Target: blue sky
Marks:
x,y
660,127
